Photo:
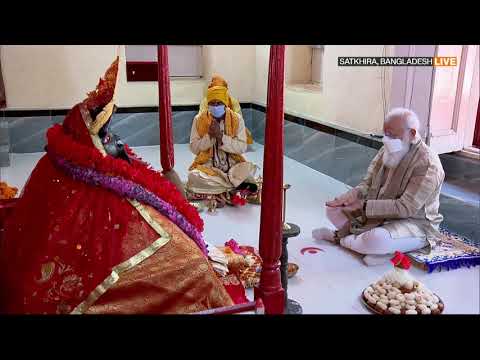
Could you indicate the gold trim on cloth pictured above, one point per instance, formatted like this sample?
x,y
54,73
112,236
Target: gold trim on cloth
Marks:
x,y
128,264
146,216
117,271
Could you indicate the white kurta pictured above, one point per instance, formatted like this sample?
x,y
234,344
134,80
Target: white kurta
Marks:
x,y
230,173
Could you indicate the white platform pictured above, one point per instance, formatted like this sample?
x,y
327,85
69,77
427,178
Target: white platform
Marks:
x,y
329,281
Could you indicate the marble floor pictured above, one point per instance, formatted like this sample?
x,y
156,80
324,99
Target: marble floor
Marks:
x,y
329,281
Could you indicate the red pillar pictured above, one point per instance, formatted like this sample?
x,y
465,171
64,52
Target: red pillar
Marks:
x,y
165,111
270,288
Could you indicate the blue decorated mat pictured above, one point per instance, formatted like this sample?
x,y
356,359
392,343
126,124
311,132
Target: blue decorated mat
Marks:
x,y
451,252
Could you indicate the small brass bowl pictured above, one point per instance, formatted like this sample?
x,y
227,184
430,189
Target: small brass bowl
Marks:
x,y
255,198
292,270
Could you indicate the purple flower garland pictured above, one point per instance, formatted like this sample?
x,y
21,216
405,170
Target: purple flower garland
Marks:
x,y
129,189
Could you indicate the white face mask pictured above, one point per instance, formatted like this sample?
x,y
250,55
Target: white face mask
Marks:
x,y
217,111
395,150
393,145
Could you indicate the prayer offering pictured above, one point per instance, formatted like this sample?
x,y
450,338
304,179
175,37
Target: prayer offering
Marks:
x,y
398,293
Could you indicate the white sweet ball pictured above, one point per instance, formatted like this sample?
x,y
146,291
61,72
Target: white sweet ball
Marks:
x,y
426,311
422,307
395,310
411,312
383,301
371,300
382,305
395,290
394,302
392,295
409,285
410,296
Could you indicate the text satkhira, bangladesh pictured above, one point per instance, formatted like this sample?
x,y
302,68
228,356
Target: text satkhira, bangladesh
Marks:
x,y
396,61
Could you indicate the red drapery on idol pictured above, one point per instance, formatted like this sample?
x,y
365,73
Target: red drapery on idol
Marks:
x,y
58,251
165,110
270,289
76,233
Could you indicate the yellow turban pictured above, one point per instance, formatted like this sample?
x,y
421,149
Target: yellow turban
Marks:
x,y
217,80
219,93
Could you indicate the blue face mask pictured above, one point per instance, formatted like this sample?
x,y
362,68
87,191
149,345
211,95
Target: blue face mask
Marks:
x,y
217,111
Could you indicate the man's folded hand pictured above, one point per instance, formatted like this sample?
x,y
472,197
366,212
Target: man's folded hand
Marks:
x,y
346,199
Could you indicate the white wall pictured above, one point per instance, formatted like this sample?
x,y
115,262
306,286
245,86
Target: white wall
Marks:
x,y
351,97
51,77
236,63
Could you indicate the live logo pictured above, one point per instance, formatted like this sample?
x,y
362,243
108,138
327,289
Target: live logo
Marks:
x,y
444,61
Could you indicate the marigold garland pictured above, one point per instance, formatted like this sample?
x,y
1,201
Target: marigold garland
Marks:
x,y
7,192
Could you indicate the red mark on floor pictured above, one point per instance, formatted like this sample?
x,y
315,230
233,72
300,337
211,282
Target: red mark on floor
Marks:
x,y
310,250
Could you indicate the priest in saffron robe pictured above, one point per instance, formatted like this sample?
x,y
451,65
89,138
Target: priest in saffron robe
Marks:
x,y
218,139
98,231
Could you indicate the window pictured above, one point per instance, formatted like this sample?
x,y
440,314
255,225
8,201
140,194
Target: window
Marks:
x,y
304,67
317,60
185,61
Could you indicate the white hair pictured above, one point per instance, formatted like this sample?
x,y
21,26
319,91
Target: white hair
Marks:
x,y
408,116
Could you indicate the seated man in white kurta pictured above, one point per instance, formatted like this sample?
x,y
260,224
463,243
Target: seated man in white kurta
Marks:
x,y
218,139
395,207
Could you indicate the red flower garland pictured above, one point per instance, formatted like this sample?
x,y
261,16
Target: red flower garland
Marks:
x,y
63,145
